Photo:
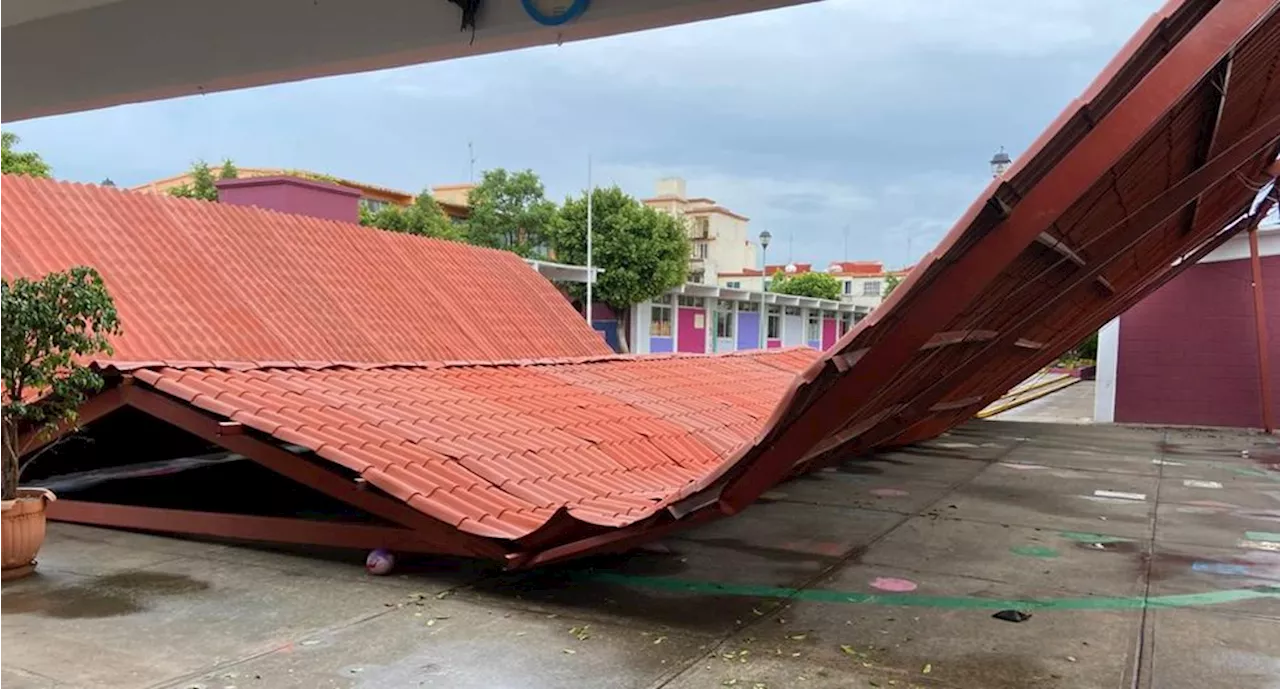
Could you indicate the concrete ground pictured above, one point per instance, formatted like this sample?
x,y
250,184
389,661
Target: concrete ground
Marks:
x,y
1145,557
1069,405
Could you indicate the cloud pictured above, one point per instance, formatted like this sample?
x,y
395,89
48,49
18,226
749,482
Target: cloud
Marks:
x,y
869,119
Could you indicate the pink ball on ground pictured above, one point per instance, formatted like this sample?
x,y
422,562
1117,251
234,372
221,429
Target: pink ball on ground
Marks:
x,y
380,562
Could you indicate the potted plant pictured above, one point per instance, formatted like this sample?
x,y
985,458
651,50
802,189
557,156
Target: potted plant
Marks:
x,y
51,326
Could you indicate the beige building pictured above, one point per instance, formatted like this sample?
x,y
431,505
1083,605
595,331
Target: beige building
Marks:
x,y
863,284
722,241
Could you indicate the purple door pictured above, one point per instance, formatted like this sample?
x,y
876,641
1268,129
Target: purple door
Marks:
x,y
748,330
828,332
692,333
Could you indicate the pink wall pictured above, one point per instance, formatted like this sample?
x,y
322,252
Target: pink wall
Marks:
x,y
691,339
293,195
1188,353
828,332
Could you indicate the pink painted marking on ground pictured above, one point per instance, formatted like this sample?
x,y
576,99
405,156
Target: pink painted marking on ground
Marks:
x,y
889,492
892,584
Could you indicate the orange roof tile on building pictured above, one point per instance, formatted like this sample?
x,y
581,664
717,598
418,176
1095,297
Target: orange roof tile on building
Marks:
x,y
195,280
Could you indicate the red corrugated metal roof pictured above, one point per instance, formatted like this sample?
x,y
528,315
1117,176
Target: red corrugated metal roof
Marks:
x,y
195,280
1162,152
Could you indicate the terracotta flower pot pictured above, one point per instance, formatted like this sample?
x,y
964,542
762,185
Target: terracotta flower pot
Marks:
x,y
23,531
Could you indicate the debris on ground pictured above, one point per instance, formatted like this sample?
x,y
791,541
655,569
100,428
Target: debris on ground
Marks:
x,y
1012,615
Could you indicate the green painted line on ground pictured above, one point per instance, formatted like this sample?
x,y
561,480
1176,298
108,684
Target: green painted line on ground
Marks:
x,y
1262,536
1033,551
950,602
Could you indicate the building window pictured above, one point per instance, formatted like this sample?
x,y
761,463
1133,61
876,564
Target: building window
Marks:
x,y
660,320
690,301
749,306
813,329
774,326
724,319
697,277
699,250
871,288
848,286
374,205
734,284
793,311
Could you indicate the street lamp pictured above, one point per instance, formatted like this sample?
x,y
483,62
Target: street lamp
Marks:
x,y
1000,162
764,307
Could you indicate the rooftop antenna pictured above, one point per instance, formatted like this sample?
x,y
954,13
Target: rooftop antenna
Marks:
x,y
471,169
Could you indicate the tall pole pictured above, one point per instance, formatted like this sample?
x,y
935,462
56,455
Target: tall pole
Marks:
x,y
591,278
1259,310
471,163
764,306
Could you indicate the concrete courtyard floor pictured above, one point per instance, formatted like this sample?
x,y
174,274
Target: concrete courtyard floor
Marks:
x,y
1146,557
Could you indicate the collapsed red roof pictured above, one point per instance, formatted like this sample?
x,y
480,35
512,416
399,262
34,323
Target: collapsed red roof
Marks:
x,y
571,450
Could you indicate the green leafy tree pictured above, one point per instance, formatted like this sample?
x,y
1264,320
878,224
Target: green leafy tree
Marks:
x,y
640,251
1085,351
422,217
317,176
229,170
20,162
50,325
510,211
891,283
202,185
811,284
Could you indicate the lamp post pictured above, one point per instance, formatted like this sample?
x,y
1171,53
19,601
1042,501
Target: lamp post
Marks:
x,y
591,278
764,307
1000,162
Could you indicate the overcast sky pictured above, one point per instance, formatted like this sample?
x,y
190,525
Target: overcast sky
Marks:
x,y
874,116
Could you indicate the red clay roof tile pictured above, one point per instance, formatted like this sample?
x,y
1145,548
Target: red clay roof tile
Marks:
x,y
473,473
195,280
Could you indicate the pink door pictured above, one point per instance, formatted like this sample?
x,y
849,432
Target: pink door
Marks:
x,y
828,332
692,324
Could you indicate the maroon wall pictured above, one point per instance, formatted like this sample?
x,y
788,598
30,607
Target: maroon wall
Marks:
x,y
293,195
1188,353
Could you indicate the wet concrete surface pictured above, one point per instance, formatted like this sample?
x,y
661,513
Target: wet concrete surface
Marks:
x,y
1141,555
